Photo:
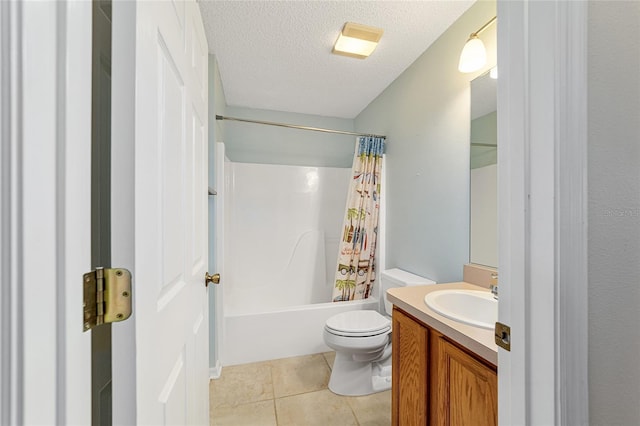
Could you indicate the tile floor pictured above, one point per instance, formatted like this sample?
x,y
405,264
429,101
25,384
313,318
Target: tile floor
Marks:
x,y
291,391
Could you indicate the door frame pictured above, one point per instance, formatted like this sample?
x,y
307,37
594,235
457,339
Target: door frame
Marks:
x,y
123,75
542,129
45,163
216,251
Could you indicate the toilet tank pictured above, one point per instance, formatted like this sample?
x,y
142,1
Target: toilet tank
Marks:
x,y
391,278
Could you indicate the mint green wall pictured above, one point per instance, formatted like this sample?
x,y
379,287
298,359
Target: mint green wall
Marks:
x,y
425,115
484,130
256,143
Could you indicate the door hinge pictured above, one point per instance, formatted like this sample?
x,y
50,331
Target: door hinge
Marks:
x,y
107,296
503,336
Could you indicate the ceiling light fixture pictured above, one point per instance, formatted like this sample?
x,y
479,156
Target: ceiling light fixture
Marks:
x,y
474,55
357,40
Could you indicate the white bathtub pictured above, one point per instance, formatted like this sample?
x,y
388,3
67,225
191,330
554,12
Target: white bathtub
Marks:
x,y
281,333
282,226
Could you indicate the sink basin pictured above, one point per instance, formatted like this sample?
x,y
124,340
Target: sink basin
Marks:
x,y
473,307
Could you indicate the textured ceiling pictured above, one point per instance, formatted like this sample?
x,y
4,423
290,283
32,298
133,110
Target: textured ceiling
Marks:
x,y
276,55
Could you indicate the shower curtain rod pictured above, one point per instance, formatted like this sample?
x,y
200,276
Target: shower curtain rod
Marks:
x,y
294,126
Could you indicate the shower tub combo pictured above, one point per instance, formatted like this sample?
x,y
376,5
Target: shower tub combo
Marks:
x,y
282,226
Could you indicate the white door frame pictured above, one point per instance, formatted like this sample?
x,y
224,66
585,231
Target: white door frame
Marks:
x,y
123,74
45,164
216,294
542,121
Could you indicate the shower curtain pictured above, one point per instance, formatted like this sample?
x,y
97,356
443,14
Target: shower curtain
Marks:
x,y
355,272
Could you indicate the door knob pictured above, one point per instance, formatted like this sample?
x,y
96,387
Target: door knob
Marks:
x,y
211,279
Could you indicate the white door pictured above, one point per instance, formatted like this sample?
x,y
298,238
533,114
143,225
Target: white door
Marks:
x,y
170,297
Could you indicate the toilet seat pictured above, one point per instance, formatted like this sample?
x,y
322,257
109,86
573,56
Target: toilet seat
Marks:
x,y
358,324
355,334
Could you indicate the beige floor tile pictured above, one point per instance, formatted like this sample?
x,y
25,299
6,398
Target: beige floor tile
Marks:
x,y
242,384
321,408
292,376
330,357
372,410
260,413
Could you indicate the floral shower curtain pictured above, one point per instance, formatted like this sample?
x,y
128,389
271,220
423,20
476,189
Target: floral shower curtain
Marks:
x,y
355,272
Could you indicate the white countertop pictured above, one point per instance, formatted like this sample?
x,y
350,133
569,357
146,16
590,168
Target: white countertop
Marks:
x,y
478,340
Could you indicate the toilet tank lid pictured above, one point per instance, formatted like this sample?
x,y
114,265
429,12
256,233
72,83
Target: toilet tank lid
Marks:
x,y
404,278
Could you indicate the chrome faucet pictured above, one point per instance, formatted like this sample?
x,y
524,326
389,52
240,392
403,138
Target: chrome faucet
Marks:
x,y
494,291
494,287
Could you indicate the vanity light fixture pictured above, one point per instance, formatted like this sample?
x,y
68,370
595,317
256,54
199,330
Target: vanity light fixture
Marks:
x,y
357,40
494,73
474,55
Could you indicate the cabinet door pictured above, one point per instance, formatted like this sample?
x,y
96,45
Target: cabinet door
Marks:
x,y
464,389
410,371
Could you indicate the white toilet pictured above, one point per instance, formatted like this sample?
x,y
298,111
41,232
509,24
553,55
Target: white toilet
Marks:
x,y
362,341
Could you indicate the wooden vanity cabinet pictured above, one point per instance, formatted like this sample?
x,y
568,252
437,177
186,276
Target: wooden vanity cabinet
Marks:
x,y
410,371
464,387
437,382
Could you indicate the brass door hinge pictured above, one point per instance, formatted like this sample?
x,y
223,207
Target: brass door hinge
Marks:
x,y
503,336
107,296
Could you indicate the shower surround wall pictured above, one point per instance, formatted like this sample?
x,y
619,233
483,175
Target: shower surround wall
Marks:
x,y
282,227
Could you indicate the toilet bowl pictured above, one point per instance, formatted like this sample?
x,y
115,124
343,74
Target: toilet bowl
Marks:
x,y
362,341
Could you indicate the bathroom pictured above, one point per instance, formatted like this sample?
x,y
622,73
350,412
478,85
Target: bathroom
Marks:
x,y
414,171
568,84
425,143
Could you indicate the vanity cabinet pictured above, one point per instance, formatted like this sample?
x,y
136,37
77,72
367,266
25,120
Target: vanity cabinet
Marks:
x,y
437,382
410,371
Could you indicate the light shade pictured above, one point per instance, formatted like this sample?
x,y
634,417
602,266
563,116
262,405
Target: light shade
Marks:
x,y
357,40
473,56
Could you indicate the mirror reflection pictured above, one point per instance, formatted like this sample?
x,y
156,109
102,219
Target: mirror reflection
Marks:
x,y
484,177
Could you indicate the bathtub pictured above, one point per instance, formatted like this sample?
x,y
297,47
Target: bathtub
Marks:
x,y
282,228
281,333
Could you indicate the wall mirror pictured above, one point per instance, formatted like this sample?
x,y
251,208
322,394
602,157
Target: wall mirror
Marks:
x,y
483,241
